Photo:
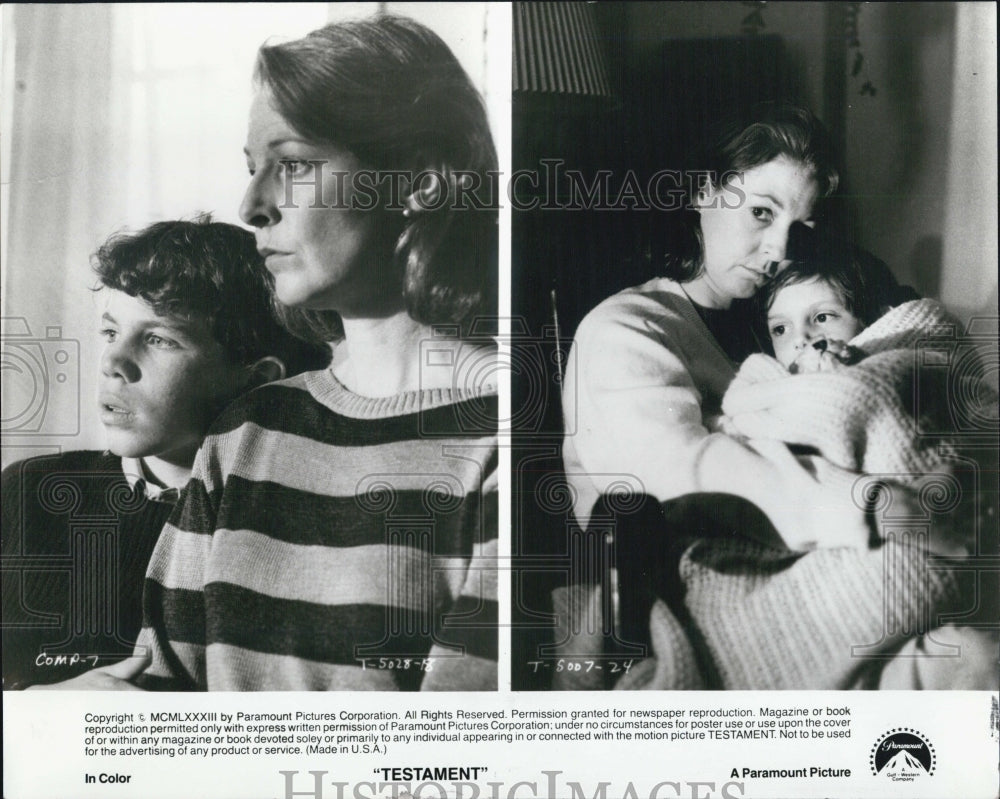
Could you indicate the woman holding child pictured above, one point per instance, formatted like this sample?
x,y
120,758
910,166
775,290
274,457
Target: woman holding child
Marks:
x,y
339,531
646,385
653,362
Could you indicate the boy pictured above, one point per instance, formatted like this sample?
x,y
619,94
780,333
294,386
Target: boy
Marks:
x,y
189,324
874,393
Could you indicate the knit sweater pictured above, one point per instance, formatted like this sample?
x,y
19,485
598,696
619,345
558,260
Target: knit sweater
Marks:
x,y
864,417
330,541
642,392
76,542
644,383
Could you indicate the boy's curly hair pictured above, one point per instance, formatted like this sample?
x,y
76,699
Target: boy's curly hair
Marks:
x,y
201,269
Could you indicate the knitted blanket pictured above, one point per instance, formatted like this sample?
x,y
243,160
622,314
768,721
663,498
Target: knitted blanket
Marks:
x,y
754,617
767,619
867,417
760,618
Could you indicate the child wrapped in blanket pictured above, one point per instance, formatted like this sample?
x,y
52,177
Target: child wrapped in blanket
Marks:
x,y
847,392
853,391
849,382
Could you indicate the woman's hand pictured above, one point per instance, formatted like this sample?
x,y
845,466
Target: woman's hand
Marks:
x,y
116,677
811,511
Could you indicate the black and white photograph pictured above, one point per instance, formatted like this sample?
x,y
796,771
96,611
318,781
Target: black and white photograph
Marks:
x,y
499,400
756,268
203,465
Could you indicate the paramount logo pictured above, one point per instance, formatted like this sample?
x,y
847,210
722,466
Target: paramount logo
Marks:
x,y
903,755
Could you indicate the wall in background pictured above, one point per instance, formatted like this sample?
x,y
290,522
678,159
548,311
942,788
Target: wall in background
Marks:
x,y
902,144
118,115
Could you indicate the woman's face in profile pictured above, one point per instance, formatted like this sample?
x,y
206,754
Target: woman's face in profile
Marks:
x,y
745,226
321,250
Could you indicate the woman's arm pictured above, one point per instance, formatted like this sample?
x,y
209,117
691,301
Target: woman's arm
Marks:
x,y
634,399
807,509
173,624
468,661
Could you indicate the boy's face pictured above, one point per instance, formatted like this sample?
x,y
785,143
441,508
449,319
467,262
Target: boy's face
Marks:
x,y
805,313
163,380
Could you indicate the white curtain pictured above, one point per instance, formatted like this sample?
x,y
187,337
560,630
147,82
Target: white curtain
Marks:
x,y
115,116
63,171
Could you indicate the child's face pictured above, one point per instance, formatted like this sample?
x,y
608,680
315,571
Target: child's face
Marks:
x,y
805,313
163,380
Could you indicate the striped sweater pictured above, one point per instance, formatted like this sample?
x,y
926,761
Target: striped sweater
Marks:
x,y
329,541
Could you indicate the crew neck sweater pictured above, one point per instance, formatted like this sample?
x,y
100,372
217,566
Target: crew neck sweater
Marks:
x,y
330,541
642,393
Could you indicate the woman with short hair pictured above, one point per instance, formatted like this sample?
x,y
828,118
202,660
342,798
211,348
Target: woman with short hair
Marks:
x,y
339,531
